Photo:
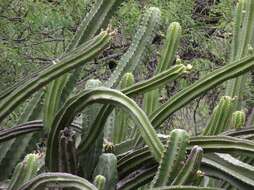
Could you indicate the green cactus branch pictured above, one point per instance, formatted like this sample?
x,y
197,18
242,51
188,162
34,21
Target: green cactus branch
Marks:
x,y
99,95
192,91
221,116
188,173
24,171
25,128
230,169
165,61
59,90
58,180
137,50
173,155
82,54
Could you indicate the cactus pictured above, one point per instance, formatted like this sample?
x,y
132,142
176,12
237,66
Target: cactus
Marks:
x,y
78,103
220,119
230,169
13,150
238,119
166,60
121,124
24,171
242,38
194,90
94,152
59,90
107,167
56,180
99,182
68,161
136,52
188,174
22,129
171,159
82,54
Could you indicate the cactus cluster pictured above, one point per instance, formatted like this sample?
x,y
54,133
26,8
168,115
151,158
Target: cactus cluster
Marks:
x,y
102,139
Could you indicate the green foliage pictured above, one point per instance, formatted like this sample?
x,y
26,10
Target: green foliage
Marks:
x,y
73,141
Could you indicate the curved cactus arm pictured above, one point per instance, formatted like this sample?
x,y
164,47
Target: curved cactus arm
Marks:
x,y
62,180
192,91
25,128
107,167
188,173
24,171
99,182
240,133
171,158
99,95
137,179
220,119
95,150
121,118
186,188
80,55
13,150
224,144
129,162
59,90
229,169
166,60
157,81
137,50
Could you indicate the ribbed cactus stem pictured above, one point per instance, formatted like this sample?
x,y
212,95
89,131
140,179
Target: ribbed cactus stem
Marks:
x,y
242,38
220,119
95,150
24,171
107,167
121,124
172,158
99,182
238,119
67,152
60,89
151,99
188,174
136,53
